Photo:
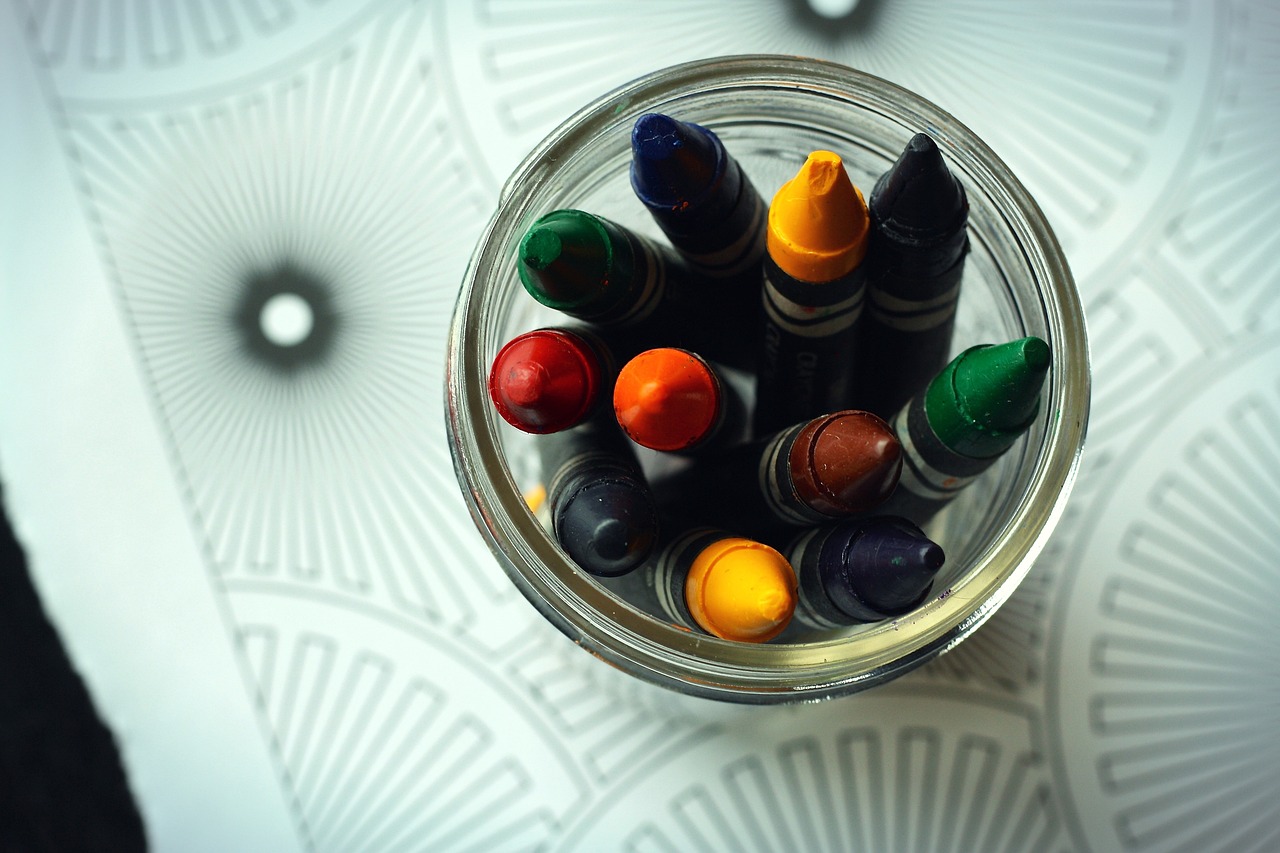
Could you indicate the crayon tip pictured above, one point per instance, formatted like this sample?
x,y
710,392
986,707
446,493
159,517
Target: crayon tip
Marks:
x,y
674,163
818,222
884,565
544,381
930,557
913,567
611,540
999,386
526,384
666,399
564,258
988,396
901,566
918,201
653,396
607,527
846,462
738,589
541,248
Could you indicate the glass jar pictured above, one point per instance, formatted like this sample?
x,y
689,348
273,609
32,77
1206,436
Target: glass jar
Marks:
x,y
771,111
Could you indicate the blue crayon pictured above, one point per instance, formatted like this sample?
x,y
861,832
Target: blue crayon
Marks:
x,y
699,196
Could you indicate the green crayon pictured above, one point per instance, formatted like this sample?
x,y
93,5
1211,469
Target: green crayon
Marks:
x,y
968,416
598,271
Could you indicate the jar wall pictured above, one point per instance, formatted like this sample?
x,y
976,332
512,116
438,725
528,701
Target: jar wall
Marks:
x,y
771,112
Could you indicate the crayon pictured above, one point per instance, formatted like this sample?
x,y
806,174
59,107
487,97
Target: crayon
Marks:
x,y
968,416
601,509
862,571
700,197
710,581
823,470
550,379
597,271
915,262
674,400
813,292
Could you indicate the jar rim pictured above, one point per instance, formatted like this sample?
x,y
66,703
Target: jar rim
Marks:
x,y
765,673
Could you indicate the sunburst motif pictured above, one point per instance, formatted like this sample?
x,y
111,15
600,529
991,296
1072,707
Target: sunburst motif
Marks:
x,y
1165,679
339,188
900,769
391,741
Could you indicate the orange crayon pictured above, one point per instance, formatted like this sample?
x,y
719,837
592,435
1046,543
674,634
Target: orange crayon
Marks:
x,y
674,400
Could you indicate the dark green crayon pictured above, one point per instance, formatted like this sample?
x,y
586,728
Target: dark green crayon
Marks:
x,y
595,270
967,417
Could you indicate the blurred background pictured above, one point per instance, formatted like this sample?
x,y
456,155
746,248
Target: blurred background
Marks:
x,y
231,233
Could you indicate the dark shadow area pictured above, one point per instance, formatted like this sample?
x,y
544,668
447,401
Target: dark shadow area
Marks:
x,y
308,338
62,785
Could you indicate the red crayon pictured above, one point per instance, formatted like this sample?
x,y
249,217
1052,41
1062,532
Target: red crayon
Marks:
x,y
550,379
674,400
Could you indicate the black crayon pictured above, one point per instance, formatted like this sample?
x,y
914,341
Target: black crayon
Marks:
x,y
915,263
601,508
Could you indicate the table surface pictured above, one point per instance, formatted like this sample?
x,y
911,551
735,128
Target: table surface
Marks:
x,y
267,575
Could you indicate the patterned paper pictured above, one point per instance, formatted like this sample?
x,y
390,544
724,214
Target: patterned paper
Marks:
x,y
278,528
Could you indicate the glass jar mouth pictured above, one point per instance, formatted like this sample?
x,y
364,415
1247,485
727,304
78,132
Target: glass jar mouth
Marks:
x,y
1007,218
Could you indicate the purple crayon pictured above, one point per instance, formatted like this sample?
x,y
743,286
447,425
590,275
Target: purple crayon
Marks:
x,y
862,571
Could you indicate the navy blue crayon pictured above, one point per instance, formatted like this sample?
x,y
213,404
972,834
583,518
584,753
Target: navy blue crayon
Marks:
x,y
972,412
602,512
862,571
915,263
699,196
